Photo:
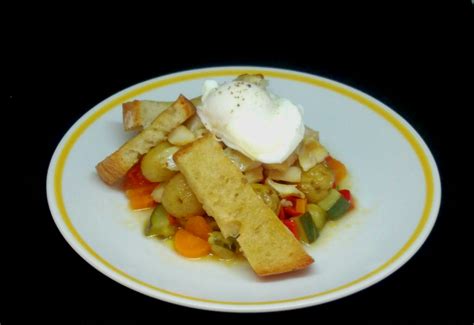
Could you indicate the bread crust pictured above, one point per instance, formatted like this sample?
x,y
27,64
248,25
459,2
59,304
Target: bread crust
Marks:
x,y
116,165
225,194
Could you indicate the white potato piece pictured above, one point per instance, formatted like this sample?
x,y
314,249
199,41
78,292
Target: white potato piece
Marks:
x,y
243,162
181,136
179,200
154,164
254,175
291,175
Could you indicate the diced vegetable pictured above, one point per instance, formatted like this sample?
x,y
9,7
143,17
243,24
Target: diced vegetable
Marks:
x,y
140,198
346,194
141,191
292,174
285,190
329,200
310,153
254,175
173,221
216,238
339,209
284,165
335,205
154,164
160,224
181,136
222,247
141,202
298,207
307,230
190,245
179,200
281,213
338,168
243,162
222,252
268,195
134,178
316,182
198,226
291,225
318,215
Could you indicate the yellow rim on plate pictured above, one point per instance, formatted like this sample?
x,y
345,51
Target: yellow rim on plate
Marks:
x,y
372,105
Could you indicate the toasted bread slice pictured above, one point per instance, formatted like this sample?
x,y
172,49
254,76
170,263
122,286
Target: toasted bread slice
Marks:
x,y
115,166
139,114
225,194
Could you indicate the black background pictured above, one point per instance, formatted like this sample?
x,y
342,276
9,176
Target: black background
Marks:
x,y
422,68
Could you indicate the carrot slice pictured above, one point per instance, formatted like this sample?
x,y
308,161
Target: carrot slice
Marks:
x,y
142,202
140,191
140,198
189,245
338,168
198,226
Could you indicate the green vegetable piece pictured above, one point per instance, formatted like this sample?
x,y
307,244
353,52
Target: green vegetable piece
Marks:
x,y
339,209
159,224
319,215
329,200
307,230
222,252
216,238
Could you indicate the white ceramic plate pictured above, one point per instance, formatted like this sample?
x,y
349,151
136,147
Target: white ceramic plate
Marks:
x,y
393,176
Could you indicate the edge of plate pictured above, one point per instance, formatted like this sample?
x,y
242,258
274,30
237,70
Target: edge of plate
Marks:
x,y
400,258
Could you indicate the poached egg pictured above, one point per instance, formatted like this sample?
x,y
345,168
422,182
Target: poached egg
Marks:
x,y
252,120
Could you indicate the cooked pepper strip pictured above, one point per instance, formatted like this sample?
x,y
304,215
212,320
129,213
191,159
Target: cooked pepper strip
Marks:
x,y
135,179
347,195
290,224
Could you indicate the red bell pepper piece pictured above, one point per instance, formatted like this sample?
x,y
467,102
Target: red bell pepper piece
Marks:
x,y
347,195
281,214
135,179
290,224
173,221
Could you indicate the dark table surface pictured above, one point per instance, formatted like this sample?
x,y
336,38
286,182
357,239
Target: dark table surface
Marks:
x,y
416,78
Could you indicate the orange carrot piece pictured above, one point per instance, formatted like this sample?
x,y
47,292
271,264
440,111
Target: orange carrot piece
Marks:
x,y
140,191
300,206
198,226
142,202
338,168
190,245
